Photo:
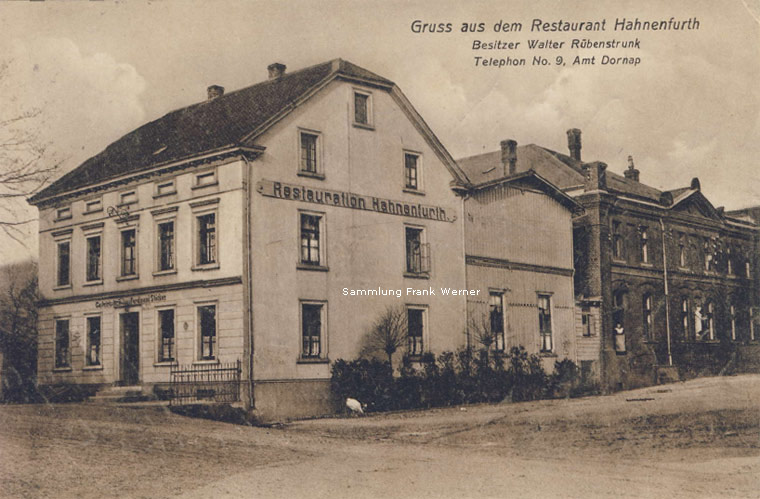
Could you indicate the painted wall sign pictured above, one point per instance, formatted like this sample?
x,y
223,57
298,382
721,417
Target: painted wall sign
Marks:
x,y
131,301
328,197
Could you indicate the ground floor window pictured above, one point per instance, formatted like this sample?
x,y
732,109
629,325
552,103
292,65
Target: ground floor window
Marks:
x,y
93,341
207,323
311,329
496,316
166,335
62,343
415,318
545,322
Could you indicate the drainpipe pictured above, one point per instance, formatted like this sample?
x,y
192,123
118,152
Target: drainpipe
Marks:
x,y
667,299
249,275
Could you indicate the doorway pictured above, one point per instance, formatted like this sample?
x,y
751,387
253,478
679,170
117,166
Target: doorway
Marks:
x,y
130,348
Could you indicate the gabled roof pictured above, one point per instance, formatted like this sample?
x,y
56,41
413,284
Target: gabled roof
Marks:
x,y
231,120
532,180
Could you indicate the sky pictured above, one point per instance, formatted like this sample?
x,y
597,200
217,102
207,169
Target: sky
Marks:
x,y
690,108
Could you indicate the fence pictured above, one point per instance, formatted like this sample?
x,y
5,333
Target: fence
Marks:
x,y
206,383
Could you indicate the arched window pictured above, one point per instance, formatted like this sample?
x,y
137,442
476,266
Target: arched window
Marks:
x,y
685,317
647,316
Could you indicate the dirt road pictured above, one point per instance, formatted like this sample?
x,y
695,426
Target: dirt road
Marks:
x,y
695,439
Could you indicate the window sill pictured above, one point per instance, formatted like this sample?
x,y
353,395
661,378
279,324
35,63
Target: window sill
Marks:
x,y
208,266
62,219
365,126
164,194
318,176
548,354
417,275
315,268
93,211
164,272
205,362
621,261
130,277
93,283
646,265
62,369
312,360
684,269
60,288
98,367
126,205
167,363
213,184
416,192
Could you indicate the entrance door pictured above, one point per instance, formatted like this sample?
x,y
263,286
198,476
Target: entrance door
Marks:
x,y
130,348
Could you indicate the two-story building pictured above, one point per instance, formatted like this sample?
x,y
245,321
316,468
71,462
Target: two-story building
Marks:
x,y
270,225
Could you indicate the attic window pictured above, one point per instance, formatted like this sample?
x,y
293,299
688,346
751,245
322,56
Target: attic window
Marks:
x,y
205,179
129,197
159,150
165,188
93,205
63,213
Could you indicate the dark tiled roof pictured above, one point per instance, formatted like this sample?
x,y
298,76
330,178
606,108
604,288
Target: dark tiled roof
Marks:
x,y
203,127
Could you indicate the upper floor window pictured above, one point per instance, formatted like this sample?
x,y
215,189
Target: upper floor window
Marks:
x,y
417,251
412,171
62,357
93,341
63,213
496,316
545,322
729,262
415,317
93,272
644,245
707,248
63,271
166,245
207,332
311,329
682,250
93,205
205,179
207,239
309,144
312,239
647,316
128,197
165,188
362,108
128,252
617,240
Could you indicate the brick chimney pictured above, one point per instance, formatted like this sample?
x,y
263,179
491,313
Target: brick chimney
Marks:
x,y
631,173
574,143
596,176
509,156
215,91
276,70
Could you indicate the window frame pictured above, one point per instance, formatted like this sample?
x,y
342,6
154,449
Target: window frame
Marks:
x,y
413,349
318,172
732,320
172,183
542,322
369,124
93,205
587,322
205,173
90,280
122,255
683,261
61,362
419,188
644,245
499,337
158,222
160,359
618,242
321,356
58,268
125,200
200,211
214,348
88,363
647,316
63,213
423,268
321,232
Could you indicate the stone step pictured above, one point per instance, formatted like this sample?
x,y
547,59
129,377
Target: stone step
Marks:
x,y
119,394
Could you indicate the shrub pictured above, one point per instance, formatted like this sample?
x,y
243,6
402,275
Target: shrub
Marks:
x,y
368,381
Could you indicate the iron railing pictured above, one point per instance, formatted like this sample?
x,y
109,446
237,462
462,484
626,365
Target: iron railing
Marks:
x,y
204,383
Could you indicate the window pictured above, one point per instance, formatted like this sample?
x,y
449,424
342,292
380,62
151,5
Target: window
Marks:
x,y
704,323
417,252
617,240
496,316
545,322
311,239
93,205
411,171
415,318
311,330
128,252
166,335
644,245
62,343
93,341
362,111
309,153
128,197
753,322
63,213
682,250
685,317
207,239
708,256
205,179
647,316
165,188
711,321
207,326
166,246
93,259
732,313
63,277
587,321
747,269
729,263
618,310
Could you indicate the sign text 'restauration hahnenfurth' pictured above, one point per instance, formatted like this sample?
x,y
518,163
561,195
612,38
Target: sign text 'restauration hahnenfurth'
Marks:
x,y
354,201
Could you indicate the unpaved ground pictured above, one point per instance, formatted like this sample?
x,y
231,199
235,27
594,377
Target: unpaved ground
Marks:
x,y
695,439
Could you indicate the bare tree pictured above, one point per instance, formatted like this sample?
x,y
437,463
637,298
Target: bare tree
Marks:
x,y
25,166
388,333
480,330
